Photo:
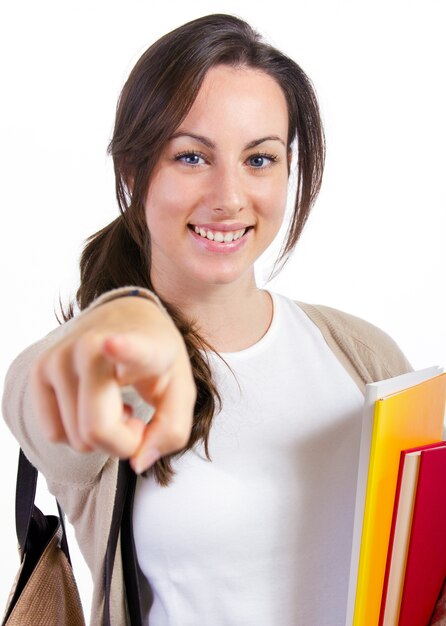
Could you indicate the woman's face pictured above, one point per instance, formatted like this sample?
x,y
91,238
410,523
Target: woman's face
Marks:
x,y
217,195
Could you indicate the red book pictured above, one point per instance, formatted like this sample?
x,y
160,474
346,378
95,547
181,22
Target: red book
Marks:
x,y
400,532
426,559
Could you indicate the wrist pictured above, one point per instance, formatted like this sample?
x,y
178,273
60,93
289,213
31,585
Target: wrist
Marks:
x,y
123,292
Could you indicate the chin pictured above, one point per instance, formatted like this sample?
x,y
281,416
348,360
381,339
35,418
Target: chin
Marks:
x,y
219,277
220,280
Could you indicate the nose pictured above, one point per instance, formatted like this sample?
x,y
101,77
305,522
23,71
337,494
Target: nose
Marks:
x,y
228,194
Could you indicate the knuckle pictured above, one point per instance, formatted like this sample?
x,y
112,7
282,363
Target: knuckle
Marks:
x,y
193,391
189,391
80,446
93,433
56,362
177,438
37,371
53,433
50,365
86,348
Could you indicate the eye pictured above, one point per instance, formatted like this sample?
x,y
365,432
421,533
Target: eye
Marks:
x,y
261,160
190,157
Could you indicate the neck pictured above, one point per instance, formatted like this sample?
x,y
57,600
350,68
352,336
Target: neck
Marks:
x,y
229,317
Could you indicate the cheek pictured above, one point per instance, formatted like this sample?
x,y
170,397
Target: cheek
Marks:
x,y
167,201
272,199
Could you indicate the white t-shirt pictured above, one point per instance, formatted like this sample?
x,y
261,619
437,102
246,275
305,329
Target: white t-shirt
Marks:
x,y
260,536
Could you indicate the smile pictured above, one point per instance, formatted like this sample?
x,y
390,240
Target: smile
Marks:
x,y
220,241
217,235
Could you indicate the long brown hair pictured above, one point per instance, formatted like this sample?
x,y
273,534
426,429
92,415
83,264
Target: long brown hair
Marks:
x,y
155,99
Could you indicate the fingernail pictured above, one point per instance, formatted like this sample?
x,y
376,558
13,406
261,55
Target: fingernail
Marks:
x,y
127,410
145,460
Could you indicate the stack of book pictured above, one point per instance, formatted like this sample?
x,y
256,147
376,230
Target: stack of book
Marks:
x,y
398,561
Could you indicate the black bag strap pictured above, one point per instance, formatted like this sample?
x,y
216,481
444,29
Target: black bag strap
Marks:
x,y
122,521
129,560
25,494
25,510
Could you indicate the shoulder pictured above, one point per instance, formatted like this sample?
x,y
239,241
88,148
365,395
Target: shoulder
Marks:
x,y
372,352
352,327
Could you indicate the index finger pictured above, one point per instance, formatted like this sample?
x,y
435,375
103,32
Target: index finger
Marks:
x,y
138,358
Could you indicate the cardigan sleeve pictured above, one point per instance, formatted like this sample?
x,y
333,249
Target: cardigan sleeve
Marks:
x,y
57,461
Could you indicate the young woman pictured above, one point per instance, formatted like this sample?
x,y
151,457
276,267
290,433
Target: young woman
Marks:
x,y
239,407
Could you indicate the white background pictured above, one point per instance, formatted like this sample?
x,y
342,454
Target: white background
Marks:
x,y
374,243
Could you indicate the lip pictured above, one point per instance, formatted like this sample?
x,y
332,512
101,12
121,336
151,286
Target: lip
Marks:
x,y
223,228
215,246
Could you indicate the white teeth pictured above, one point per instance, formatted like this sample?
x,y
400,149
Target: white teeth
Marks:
x,y
219,236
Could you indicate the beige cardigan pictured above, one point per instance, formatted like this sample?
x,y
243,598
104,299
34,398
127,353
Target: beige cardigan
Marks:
x,y
84,484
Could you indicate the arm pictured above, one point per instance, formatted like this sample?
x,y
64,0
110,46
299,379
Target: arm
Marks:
x,y
62,397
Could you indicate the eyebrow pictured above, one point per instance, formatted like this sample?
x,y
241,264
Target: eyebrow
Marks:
x,y
210,144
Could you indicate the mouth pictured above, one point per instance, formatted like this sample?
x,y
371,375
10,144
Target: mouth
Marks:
x,y
218,235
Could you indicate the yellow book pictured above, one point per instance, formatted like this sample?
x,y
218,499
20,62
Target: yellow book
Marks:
x,y
409,418
373,392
